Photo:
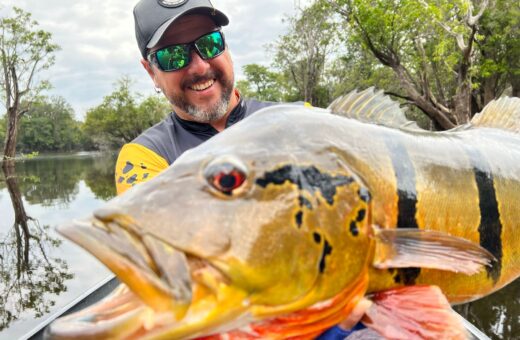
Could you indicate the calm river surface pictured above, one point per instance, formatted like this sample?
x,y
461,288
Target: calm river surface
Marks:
x,y
41,274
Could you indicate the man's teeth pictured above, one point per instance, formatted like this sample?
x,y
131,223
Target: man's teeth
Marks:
x,y
202,86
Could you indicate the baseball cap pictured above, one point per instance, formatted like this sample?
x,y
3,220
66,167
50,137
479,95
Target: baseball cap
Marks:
x,y
154,17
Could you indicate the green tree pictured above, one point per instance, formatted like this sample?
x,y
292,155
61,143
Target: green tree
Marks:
x,y
49,125
261,83
24,52
433,49
497,64
302,53
119,119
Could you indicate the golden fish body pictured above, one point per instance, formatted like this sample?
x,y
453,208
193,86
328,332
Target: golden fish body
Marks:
x,y
283,211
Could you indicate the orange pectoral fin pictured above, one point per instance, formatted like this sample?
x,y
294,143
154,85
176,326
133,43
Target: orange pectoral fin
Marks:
x,y
415,312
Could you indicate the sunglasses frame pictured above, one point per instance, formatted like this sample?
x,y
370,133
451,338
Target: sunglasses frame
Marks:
x,y
152,56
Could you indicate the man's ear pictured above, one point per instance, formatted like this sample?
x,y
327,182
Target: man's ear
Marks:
x,y
149,68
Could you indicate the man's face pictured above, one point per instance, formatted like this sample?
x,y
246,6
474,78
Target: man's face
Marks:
x,y
202,90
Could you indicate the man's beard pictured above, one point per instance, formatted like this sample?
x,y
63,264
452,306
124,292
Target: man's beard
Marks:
x,y
215,111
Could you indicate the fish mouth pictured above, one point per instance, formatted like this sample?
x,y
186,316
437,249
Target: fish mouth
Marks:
x,y
163,290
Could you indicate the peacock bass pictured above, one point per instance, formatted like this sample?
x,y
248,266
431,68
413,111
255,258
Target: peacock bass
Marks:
x,y
296,219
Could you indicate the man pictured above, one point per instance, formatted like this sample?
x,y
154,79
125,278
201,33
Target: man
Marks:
x,y
185,54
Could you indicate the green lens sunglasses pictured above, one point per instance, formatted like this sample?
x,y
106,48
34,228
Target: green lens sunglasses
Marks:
x,y
176,57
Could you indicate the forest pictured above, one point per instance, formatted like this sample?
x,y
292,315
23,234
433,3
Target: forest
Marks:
x,y
442,60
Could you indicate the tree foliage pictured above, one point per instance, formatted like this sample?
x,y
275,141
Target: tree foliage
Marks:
x,y
262,84
120,117
25,50
498,46
302,53
49,125
435,50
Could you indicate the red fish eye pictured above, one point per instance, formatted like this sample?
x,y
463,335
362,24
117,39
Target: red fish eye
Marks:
x,y
227,182
226,174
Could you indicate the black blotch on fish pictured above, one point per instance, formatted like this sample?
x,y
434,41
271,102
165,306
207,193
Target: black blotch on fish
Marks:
x,y
132,179
299,218
305,202
361,215
120,179
327,250
128,166
354,229
317,237
306,178
143,166
145,176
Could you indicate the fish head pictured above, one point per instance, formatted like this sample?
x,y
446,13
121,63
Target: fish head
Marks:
x,y
238,228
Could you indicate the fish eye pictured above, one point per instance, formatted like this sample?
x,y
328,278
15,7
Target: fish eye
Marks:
x,y
226,174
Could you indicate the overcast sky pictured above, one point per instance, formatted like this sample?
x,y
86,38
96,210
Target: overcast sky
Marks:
x,y
98,44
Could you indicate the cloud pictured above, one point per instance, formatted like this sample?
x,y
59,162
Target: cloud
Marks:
x,y
98,45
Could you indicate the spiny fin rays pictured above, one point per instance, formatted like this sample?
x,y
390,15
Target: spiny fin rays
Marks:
x,y
503,113
372,107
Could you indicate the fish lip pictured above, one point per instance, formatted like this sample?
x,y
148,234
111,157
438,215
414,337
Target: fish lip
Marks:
x,y
134,257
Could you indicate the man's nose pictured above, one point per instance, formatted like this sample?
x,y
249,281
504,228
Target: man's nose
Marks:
x,y
197,64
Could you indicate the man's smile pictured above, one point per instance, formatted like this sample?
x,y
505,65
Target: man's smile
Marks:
x,y
202,85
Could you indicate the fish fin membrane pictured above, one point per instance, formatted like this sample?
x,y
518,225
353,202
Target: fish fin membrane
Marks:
x,y
406,248
503,113
414,312
371,106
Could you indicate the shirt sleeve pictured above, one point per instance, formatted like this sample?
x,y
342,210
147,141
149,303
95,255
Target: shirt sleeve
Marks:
x,y
136,164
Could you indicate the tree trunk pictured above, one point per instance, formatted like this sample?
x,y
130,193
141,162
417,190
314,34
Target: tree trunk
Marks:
x,y
462,104
515,84
11,135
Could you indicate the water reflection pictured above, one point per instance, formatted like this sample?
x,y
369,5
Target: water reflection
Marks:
x,y
54,180
27,272
498,315
35,196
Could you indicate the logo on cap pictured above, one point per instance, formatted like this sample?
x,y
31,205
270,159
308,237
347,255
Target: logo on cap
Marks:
x,y
171,3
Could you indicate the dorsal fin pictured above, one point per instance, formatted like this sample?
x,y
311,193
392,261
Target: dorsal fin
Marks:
x,y
503,113
372,107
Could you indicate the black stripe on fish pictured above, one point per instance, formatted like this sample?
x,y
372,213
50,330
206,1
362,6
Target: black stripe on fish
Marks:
x,y
327,250
306,178
406,183
407,198
490,228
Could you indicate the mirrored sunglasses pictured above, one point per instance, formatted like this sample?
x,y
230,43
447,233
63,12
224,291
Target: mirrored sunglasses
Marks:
x,y
176,57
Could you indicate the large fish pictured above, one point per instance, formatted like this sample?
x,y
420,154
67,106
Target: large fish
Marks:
x,y
283,224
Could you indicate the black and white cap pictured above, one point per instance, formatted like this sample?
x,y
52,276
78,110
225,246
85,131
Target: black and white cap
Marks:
x,y
154,17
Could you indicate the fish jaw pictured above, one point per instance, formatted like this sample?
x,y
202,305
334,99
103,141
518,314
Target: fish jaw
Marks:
x,y
169,294
132,262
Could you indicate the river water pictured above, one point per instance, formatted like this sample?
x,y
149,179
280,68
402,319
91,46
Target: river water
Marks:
x,y
41,273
